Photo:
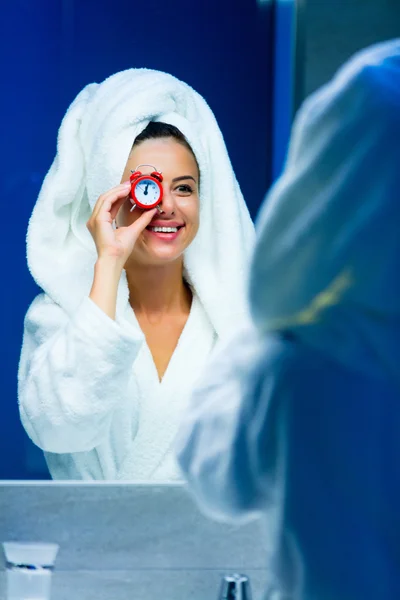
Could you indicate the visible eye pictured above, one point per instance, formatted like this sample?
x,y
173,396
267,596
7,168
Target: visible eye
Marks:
x,y
184,189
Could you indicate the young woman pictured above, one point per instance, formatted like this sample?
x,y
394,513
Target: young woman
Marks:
x,y
133,299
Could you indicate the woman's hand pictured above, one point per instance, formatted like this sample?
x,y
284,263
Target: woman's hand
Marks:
x,y
115,243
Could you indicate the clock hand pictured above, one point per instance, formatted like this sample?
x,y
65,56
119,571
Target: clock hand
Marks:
x,y
146,190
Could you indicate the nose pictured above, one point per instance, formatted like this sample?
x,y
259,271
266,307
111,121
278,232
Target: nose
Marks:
x,y
167,203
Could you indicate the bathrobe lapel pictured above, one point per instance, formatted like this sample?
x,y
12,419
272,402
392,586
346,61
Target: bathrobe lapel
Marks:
x,y
161,403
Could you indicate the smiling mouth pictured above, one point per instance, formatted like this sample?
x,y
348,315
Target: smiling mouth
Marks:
x,y
164,233
164,229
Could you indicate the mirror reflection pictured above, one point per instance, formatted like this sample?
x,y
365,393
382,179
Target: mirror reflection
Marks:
x,y
126,319
123,306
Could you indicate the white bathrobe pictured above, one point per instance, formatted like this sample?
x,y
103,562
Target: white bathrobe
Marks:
x,y
89,393
92,396
297,417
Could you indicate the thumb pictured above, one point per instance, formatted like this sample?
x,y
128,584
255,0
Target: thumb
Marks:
x,y
141,223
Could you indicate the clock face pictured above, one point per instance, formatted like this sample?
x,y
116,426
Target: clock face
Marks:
x,y
147,192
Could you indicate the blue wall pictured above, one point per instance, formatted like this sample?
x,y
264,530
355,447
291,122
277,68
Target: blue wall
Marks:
x,y
49,50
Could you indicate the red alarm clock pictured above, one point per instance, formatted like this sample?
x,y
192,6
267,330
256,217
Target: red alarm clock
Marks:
x,y
146,190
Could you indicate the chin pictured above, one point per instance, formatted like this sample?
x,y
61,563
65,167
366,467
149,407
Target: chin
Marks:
x,y
159,258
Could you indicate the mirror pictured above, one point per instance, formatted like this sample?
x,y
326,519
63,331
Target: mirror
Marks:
x,y
238,56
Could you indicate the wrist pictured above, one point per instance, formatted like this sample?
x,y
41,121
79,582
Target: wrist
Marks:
x,y
107,274
111,264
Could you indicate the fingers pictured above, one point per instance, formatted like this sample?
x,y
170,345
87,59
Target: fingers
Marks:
x,y
117,205
130,234
109,203
141,223
106,201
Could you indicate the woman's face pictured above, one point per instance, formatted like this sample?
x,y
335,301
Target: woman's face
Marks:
x,y
180,203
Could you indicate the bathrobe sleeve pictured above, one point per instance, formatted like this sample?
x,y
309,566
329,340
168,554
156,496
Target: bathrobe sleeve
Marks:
x,y
73,372
229,443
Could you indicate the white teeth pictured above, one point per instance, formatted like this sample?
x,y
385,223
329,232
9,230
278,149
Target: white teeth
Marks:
x,y
164,229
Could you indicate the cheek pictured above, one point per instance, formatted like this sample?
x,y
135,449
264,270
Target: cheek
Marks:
x,y
189,206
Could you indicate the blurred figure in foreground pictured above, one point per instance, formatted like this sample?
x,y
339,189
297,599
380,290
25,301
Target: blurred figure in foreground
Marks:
x,y
297,418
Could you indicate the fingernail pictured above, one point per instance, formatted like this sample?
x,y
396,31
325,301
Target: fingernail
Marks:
x,y
126,184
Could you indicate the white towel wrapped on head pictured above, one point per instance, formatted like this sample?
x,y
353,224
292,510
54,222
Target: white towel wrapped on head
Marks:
x,y
94,142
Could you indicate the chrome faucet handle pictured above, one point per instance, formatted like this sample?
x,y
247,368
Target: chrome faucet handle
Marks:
x,y
235,587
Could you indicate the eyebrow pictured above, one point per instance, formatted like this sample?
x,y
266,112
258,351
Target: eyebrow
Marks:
x,y
183,177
